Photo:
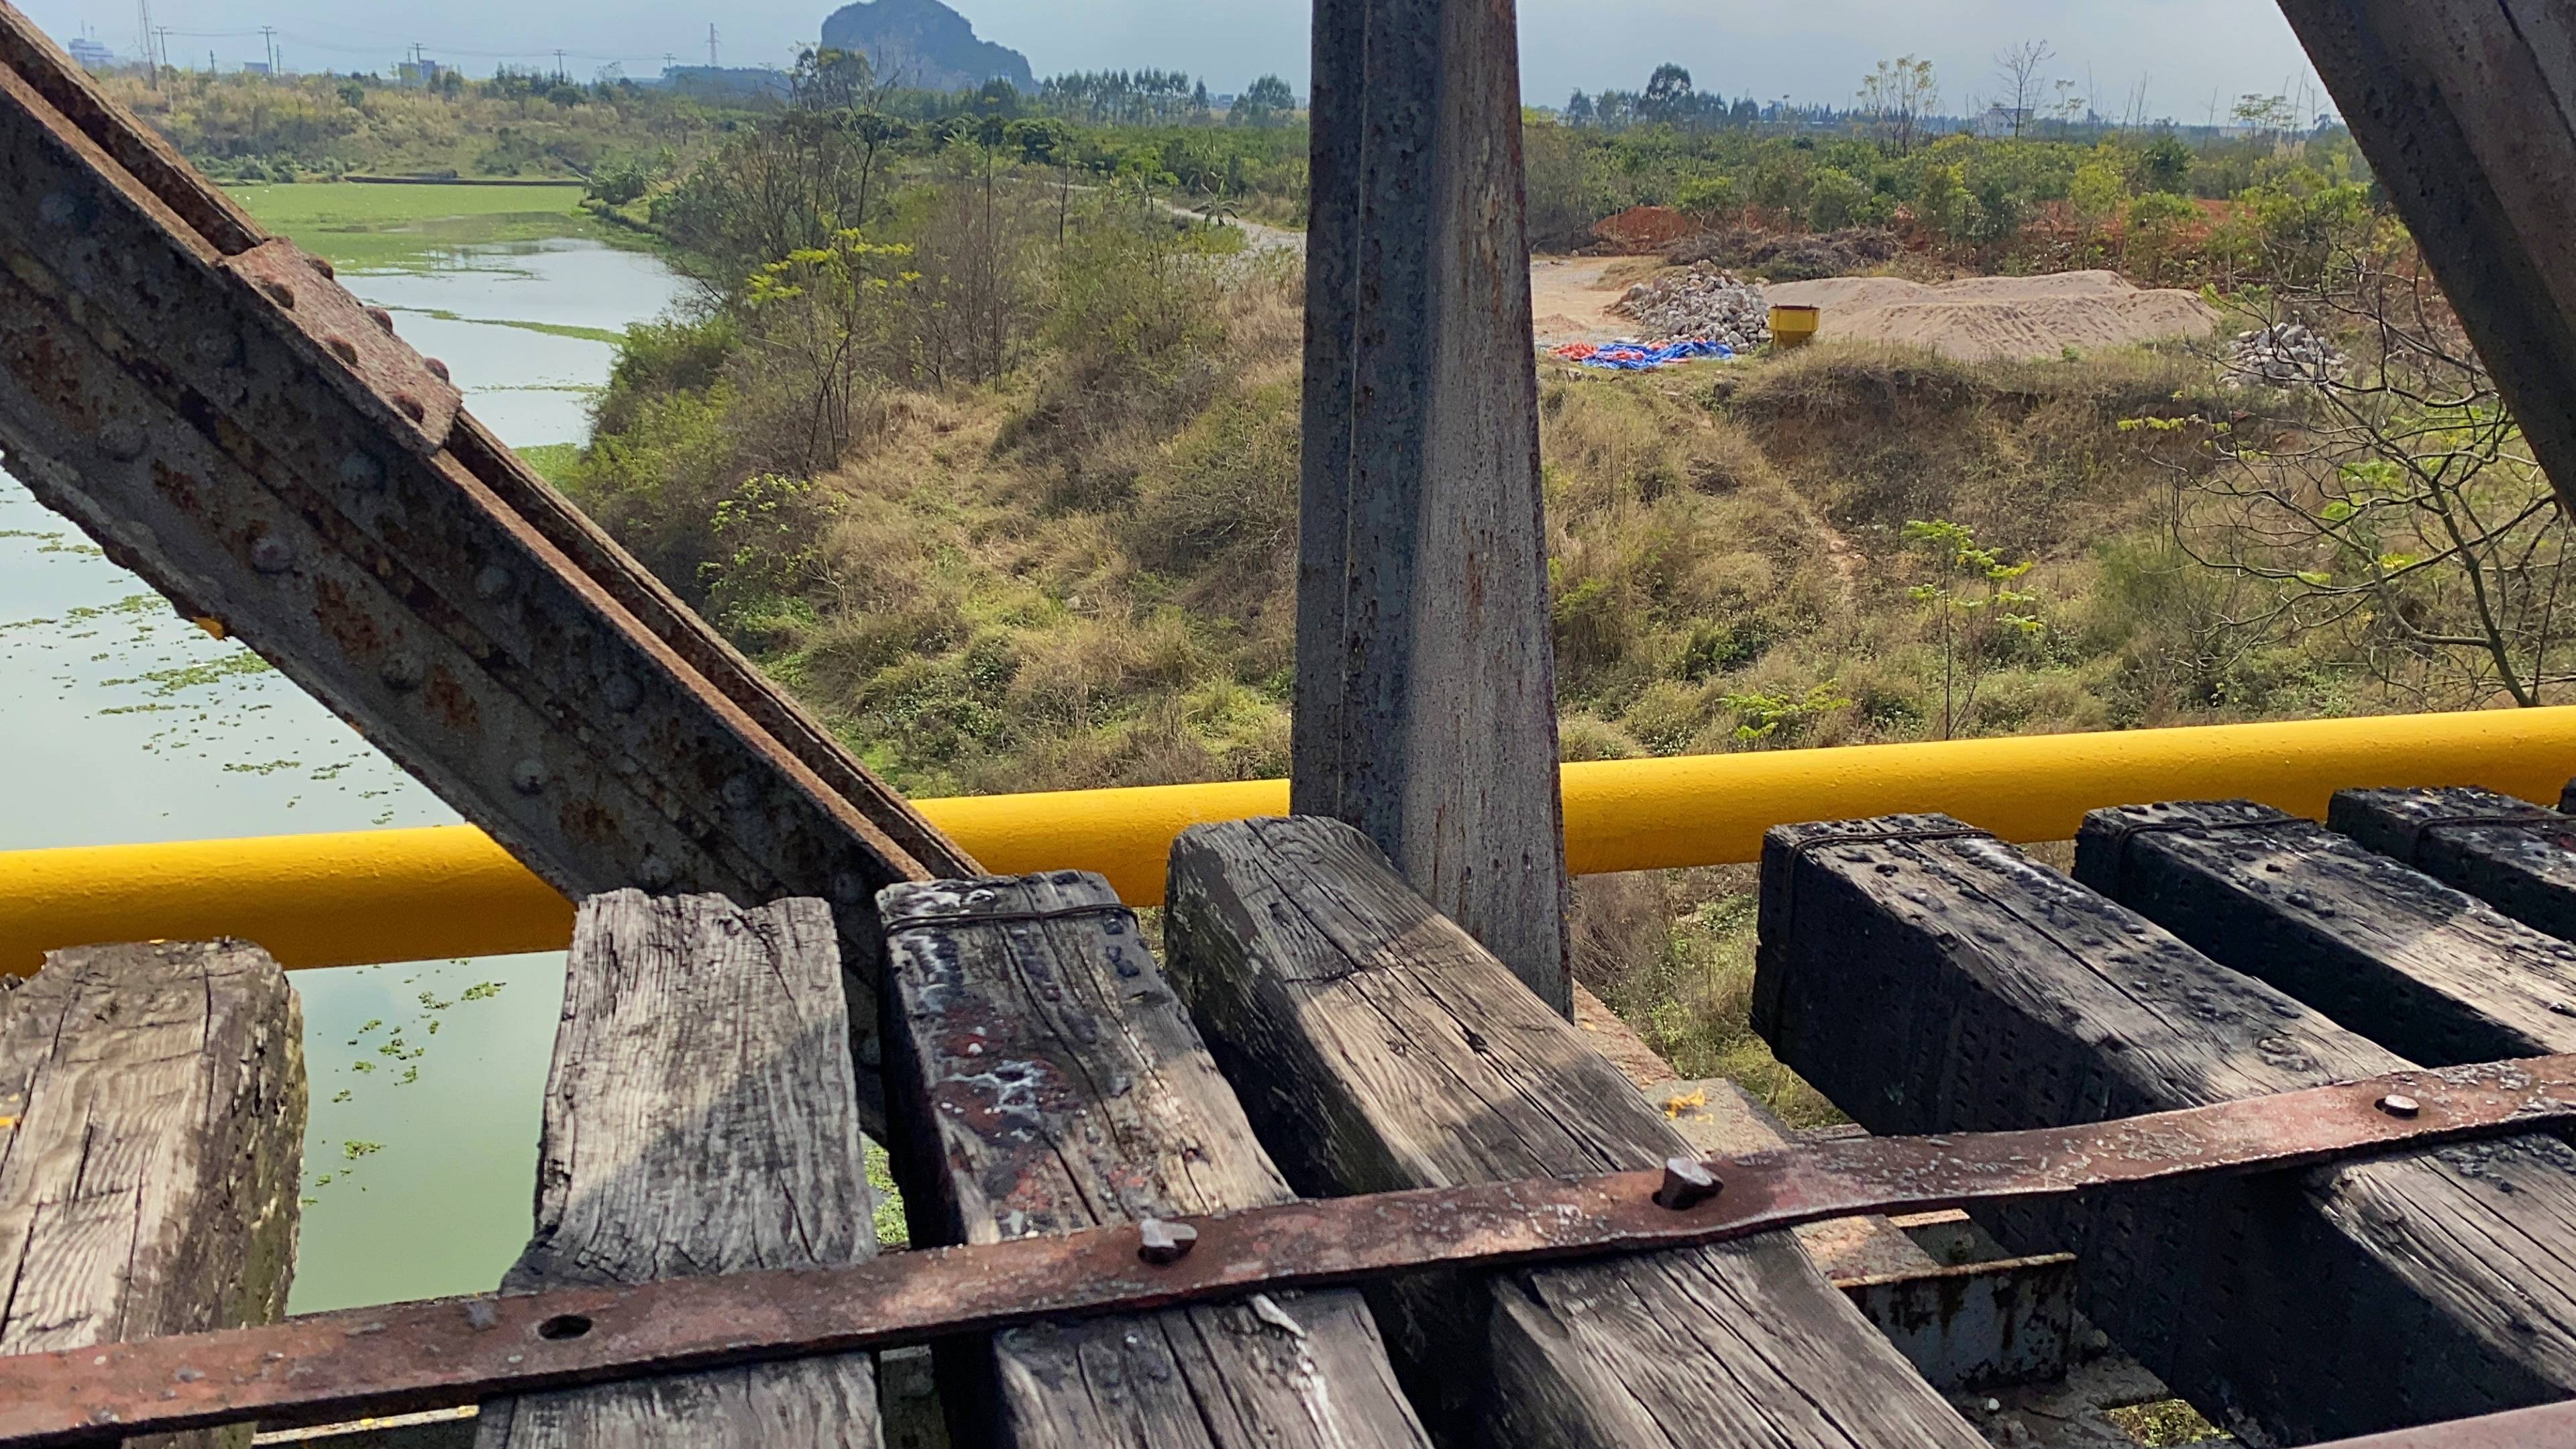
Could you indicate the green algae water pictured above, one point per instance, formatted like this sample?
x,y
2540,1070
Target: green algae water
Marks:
x,y
123,724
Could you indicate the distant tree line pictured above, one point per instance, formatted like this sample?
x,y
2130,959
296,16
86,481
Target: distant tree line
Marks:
x,y
1669,99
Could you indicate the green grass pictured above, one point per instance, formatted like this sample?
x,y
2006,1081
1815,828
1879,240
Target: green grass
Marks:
x,y
2166,1422
552,460
399,228
550,329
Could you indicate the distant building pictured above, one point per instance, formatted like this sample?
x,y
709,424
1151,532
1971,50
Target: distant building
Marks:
x,y
418,73
255,67
91,54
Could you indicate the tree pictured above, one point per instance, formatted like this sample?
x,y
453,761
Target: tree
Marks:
x,y
2266,116
1835,199
1970,594
1578,111
830,80
1265,102
825,311
2017,72
2384,503
1669,97
2098,187
1897,96
1941,201
2164,164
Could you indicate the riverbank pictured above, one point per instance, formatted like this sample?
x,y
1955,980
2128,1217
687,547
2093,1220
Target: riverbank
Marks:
x,y
128,725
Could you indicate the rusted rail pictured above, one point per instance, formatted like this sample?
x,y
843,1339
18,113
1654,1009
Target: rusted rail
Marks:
x,y
456,1351
223,418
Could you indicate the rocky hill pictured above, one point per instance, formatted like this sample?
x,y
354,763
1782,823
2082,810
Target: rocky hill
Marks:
x,y
923,44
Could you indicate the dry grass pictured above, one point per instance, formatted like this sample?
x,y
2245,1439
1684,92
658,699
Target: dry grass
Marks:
x,y
1081,576
1672,953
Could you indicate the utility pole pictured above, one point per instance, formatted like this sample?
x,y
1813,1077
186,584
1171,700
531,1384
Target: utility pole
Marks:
x,y
560,74
268,43
151,63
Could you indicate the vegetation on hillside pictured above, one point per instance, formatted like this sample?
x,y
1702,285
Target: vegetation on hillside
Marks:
x,y
636,144
990,451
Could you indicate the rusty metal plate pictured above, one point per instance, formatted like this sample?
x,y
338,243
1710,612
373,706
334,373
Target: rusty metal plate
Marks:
x,y
438,1354
409,395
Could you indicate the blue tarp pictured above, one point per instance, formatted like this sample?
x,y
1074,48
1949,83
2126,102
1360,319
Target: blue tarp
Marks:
x,y
1632,356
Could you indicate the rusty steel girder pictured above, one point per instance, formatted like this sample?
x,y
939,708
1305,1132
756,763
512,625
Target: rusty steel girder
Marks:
x,y
412,1356
224,419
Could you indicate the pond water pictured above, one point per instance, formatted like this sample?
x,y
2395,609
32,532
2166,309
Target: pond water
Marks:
x,y
123,723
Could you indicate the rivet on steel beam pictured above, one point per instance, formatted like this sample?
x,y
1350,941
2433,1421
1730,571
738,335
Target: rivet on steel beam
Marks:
x,y
528,777
1163,1244
654,873
271,554
58,209
280,293
323,266
491,582
382,318
361,471
2398,1104
621,693
402,672
742,792
410,406
1687,1184
849,887
342,348
214,349
437,369
122,439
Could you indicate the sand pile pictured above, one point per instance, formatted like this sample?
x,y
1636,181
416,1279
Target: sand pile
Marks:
x,y
1984,319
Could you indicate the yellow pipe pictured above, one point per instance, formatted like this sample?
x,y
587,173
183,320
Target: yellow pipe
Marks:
x,y
327,900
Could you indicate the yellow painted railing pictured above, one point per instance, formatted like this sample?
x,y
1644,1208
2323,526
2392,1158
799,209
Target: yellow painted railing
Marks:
x,y
396,895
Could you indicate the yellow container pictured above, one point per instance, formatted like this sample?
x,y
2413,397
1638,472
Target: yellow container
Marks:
x,y
1795,326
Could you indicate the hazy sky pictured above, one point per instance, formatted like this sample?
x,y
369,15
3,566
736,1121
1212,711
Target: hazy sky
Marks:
x,y
1815,50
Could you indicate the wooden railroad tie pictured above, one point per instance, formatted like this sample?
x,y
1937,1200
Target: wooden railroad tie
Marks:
x,y
151,1137
1379,1047
2428,971
701,1118
704,1267
2517,857
1070,1091
1930,979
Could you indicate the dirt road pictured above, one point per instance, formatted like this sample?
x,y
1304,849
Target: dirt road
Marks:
x,y
1570,298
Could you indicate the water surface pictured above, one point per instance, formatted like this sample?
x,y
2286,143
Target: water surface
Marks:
x,y
124,723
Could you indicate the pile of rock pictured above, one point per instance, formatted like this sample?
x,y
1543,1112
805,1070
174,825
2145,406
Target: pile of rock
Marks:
x,y
1702,304
2283,355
